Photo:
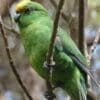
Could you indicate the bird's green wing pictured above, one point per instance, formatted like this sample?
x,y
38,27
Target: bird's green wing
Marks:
x,y
69,48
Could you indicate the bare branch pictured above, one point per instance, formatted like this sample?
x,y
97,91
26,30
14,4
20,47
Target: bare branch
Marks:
x,y
95,42
81,26
49,60
10,29
11,61
65,17
86,53
55,26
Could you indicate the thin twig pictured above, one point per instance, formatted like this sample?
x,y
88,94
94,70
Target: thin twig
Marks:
x,y
11,20
9,12
11,61
81,32
49,60
54,3
81,26
10,29
86,53
55,26
65,17
95,42
89,55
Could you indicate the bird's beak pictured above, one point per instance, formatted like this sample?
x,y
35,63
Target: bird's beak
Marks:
x,y
17,17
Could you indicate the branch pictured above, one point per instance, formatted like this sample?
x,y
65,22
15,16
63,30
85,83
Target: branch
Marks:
x,y
86,53
55,26
10,29
65,17
49,63
11,61
81,35
54,3
81,26
95,42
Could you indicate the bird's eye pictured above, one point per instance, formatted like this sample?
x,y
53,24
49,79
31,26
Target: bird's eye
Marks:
x,y
28,10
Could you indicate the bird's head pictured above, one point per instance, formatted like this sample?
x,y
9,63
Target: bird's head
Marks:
x,y
28,11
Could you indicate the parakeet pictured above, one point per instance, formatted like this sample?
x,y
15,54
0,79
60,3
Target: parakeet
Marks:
x,y
35,31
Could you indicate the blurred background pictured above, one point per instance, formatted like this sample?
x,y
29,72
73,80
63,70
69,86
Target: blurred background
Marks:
x,y
9,87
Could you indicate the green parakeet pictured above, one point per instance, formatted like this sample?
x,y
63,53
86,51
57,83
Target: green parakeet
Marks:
x,y
35,31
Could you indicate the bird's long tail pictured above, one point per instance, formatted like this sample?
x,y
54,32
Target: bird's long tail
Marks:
x,y
82,96
82,90
85,69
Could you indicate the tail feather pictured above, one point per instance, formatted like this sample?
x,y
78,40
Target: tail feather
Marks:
x,y
82,95
82,89
85,69
79,94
